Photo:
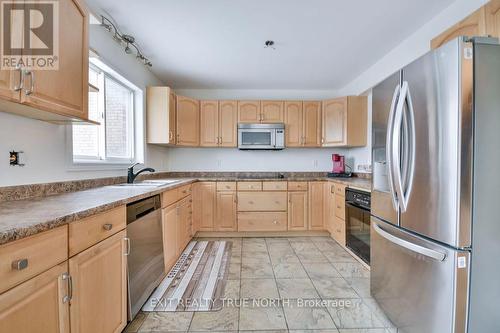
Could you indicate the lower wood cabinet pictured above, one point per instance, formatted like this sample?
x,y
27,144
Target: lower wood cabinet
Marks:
x,y
99,287
226,211
39,305
204,206
316,207
262,221
169,223
184,224
329,207
297,211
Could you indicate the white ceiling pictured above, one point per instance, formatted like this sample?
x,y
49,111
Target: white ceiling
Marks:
x,y
219,44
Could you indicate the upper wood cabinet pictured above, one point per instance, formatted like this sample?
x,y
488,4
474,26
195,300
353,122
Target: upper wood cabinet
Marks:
x,y
272,111
293,124
483,22
209,118
316,206
218,123
226,211
55,95
297,210
38,305
188,121
344,122
160,103
249,112
204,205
99,274
302,123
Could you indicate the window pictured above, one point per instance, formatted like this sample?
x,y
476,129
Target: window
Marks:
x,y
111,103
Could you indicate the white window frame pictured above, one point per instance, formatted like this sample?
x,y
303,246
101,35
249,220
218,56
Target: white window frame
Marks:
x,y
78,163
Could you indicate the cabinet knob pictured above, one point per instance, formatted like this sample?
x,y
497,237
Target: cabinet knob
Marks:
x,y
275,222
107,226
20,264
250,202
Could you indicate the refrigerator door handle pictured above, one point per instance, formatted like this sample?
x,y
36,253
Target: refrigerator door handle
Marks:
x,y
410,160
396,147
388,148
436,255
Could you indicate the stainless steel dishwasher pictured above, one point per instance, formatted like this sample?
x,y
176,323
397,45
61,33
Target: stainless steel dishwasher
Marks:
x,y
145,262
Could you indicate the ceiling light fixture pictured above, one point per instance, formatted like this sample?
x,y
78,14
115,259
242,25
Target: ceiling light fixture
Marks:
x,y
128,41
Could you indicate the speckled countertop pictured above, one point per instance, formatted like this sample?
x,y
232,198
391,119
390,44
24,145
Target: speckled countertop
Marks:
x,y
22,218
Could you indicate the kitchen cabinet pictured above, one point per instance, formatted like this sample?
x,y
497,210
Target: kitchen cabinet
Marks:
x,y
262,221
55,95
99,280
169,226
303,123
316,206
265,201
218,123
297,210
160,115
188,121
483,22
344,122
184,224
204,205
249,112
272,111
329,208
226,211
38,305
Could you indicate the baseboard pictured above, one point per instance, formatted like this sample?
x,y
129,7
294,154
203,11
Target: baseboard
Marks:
x,y
222,234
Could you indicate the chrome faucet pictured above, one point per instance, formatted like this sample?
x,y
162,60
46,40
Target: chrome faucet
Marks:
x,y
131,175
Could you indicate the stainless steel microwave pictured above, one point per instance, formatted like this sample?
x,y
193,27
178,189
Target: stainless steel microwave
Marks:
x,y
261,136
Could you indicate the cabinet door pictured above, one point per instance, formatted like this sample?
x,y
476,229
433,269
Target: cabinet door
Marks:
x,y
209,129
312,124
99,302
472,25
183,224
169,223
293,123
334,121
272,111
297,210
8,80
226,211
188,122
493,18
249,112
172,105
65,91
329,209
316,206
204,205
228,119
160,115
37,305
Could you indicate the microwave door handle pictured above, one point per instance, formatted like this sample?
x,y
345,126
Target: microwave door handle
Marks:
x,y
389,138
273,138
436,255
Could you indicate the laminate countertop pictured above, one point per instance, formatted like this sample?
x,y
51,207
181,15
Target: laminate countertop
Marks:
x,y
23,218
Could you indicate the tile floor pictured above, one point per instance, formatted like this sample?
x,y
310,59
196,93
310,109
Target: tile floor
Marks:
x,y
322,288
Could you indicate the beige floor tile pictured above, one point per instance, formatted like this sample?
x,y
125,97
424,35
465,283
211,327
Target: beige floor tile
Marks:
x,y
301,317
289,270
224,320
234,271
262,318
361,286
288,257
331,288
251,256
259,288
333,330
254,247
167,322
232,289
303,246
354,314
311,256
338,256
364,330
351,270
296,288
320,270
256,270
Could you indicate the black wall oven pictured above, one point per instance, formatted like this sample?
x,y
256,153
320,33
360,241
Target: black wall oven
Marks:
x,y
357,217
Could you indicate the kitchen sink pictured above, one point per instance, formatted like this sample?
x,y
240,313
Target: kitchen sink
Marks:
x,y
150,183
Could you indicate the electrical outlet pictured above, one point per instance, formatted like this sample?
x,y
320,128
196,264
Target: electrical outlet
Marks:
x,y
365,167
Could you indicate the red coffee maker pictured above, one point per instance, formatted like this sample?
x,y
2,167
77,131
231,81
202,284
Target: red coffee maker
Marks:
x,y
338,164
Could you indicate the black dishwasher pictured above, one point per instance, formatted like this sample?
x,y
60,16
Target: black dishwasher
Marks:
x,y
357,217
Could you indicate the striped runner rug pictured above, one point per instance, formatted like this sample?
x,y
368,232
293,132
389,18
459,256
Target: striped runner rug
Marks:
x,y
196,282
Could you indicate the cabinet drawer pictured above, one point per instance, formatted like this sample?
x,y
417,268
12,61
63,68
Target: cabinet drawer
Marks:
x,y
274,186
38,253
249,186
262,201
340,206
262,221
297,186
339,231
340,189
169,197
183,191
226,186
91,230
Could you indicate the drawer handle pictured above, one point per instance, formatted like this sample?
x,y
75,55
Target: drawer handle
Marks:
x,y
107,226
338,206
128,246
20,264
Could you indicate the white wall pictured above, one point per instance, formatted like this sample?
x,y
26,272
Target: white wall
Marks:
x,y
44,144
412,47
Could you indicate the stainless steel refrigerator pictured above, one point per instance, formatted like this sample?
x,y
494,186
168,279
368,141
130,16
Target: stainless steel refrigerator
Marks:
x,y
435,227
